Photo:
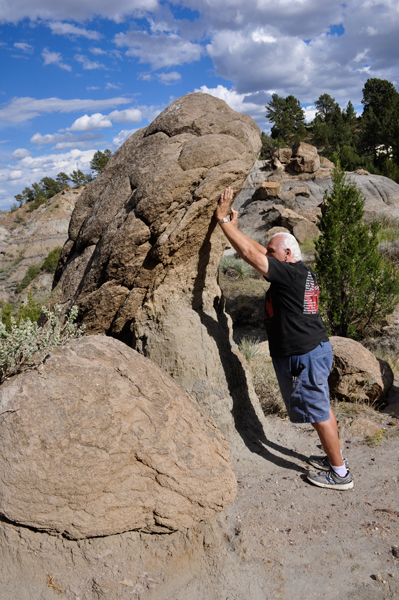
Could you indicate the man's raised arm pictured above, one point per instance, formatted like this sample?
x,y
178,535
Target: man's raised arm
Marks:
x,y
249,250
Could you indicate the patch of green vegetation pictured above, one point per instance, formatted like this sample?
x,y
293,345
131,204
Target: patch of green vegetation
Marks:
x,y
249,347
236,267
30,310
50,263
32,272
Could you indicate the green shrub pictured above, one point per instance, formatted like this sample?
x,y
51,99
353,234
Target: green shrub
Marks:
x,y
358,286
50,263
267,388
249,347
30,310
32,272
27,344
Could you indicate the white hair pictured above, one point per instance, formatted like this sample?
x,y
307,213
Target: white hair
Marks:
x,y
290,242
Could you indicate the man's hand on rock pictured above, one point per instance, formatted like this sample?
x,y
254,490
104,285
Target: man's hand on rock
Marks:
x,y
223,207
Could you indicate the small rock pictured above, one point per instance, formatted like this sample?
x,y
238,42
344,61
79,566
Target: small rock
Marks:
x,y
395,551
378,577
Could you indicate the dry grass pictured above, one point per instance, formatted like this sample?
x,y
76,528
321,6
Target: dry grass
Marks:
x,y
266,387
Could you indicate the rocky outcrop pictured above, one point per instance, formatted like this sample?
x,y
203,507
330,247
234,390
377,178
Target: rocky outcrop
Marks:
x,y
356,373
143,251
102,441
26,238
305,158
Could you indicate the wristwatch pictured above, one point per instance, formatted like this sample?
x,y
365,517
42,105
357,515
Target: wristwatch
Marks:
x,y
224,220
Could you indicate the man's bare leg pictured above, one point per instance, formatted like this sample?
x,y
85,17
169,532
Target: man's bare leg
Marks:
x,y
328,434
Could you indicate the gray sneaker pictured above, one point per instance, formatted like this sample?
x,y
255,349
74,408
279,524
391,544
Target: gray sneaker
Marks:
x,y
330,479
322,463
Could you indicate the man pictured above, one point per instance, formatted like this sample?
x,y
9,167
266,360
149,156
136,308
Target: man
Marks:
x,y
299,346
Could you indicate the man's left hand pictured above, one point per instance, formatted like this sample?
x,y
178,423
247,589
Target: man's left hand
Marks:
x,y
223,207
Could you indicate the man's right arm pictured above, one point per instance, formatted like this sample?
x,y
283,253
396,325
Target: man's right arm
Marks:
x,y
249,250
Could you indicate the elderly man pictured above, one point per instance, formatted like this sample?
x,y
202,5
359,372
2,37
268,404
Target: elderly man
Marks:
x,y
299,346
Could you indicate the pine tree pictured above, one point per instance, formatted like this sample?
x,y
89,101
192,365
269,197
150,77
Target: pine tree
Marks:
x,y
358,286
288,118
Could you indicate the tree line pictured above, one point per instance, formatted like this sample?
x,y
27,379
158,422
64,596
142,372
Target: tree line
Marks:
x,y
370,141
48,187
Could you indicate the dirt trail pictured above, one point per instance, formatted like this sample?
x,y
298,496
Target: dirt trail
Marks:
x,y
282,538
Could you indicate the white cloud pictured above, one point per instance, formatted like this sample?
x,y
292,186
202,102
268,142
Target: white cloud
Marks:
x,y
13,175
161,50
24,47
20,153
310,113
361,55
92,87
68,29
86,123
87,63
130,115
97,51
23,109
121,137
113,86
54,58
168,78
12,11
65,138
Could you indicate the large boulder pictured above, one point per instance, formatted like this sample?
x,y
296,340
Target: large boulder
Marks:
x,y
143,252
356,373
305,158
102,441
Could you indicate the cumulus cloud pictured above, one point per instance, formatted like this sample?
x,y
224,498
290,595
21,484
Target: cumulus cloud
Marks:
x,y
60,28
54,58
20,153
15,174
97,51
23,109
113,86
121,137
27,48
130,115
12,11
68,140
239,102
89,123
160,50
87,63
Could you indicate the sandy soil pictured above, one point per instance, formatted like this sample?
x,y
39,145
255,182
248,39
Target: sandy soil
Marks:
x,y
282,538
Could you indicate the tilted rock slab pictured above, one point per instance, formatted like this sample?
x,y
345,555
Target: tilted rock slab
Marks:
x,y
103,441
143,252
356,373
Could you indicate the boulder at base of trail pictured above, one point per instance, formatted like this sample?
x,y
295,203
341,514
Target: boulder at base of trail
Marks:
x,y
100,441
356,373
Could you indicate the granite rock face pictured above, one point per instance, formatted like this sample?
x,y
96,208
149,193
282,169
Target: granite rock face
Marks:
x,y
143,252
356,373
102,441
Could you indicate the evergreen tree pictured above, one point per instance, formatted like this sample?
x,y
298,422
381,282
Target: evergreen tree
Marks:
x,y
79,178
358,287
99,160
380,119
288,118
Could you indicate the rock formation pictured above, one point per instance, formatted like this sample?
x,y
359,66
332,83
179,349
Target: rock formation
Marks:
x,y
143,251
26,238
356,373
102,441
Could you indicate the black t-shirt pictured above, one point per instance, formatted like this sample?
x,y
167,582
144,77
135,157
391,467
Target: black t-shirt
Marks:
x,y
293,323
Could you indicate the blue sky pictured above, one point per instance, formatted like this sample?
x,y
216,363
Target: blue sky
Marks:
x,y
83,75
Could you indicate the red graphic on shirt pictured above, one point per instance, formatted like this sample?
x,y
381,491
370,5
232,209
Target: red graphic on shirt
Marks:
x,y
311,297
269,312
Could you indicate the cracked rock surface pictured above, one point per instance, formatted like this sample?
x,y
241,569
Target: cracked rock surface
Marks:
x,y
102,441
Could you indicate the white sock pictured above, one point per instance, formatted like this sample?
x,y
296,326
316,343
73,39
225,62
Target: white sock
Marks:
x,y
341,471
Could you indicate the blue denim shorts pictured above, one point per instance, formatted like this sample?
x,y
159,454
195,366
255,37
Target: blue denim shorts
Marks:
x,y
303,381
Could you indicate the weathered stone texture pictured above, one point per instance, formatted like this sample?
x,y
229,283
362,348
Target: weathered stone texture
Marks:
x,y
356,373
144,248
103,441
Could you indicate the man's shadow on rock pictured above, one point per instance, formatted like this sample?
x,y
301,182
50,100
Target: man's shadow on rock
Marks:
x,y
246,420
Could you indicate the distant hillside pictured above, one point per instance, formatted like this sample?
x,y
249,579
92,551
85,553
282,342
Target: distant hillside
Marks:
x,y
26,239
